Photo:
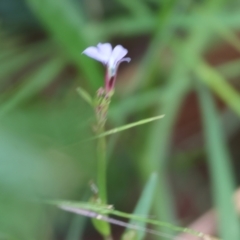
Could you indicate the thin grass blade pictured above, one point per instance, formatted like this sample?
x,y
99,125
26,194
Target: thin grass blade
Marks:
x,y
143,207
100,212
128,126
217,83
66,25
33,83
219,162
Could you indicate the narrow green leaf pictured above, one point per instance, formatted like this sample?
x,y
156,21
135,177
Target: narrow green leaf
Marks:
x,y
85,96
66,24
130,125
218,84
162,36
23,57
142,209
126,27
102,227
137,8
100,212
33,83
223,185
225,33
157,143
230,69
76,228
77,225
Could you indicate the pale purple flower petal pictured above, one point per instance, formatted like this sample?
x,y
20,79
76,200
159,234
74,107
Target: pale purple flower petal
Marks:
x,y
109,57
105,49
94,53
125,60
118,53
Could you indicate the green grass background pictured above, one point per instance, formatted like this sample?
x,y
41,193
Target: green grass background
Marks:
x,y
179,49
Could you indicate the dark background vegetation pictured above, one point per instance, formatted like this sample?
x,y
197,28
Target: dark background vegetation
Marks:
x,y
185,64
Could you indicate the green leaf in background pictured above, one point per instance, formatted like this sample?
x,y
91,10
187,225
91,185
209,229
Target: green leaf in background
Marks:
x,y
217,83
226,34
143,207
33,83
137,8
157,144
230,69
77,224
66,25
27,173
167,41
85,96
24,57
103,227
222,177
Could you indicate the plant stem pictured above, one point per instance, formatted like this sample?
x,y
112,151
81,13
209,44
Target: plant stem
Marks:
x,y
101,108
102,167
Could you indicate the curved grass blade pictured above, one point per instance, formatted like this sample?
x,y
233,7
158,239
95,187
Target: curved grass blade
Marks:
x,y
85,96
143,207
219,164
67,26
226,34
24,57
138,9
218,84
33,83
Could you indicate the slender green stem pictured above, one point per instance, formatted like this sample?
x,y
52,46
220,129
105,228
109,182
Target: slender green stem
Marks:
x,y
102,167
102,181
101,108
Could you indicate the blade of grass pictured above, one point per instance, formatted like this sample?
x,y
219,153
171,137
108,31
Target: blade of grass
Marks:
x,y
76,229
110,220
225,33
33,83
65,24
226,19
77,226
24,58
99,211
85,96
231,69
158,143
126,27
156,151
217,83
136,8
128,126
142,209
163,34
148,24
220,168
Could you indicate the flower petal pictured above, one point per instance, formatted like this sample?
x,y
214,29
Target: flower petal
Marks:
x,y
118,53
94,53
125,60
105,49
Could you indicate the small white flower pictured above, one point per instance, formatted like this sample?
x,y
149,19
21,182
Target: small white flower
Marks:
x,y
111,58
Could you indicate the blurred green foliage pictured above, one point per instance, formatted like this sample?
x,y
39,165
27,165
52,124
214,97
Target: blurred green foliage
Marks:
x,y
44,121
